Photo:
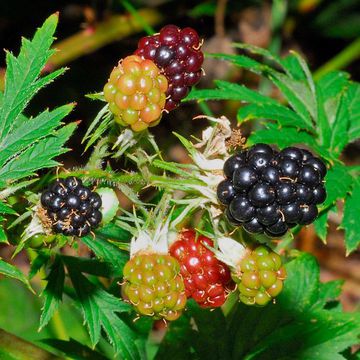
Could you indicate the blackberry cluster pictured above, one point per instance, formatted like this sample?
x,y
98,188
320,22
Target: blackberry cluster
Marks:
x,y
135,92
269,191
154,286
207,280
178,53
71,208
260,277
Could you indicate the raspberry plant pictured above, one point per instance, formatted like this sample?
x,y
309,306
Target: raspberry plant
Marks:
x,y
177,252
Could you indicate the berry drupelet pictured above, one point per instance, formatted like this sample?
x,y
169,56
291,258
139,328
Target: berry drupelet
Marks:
x,y
154,286
267,191
71,208
207,280
260,276
135,92
177,52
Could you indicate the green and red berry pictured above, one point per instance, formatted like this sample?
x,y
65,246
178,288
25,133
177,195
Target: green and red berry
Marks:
x,y
154,286
270,191
177,52
260,276
70,208
207,280
135,92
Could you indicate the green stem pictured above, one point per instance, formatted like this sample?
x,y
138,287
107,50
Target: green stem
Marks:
x,y
128,6
341,60
12,347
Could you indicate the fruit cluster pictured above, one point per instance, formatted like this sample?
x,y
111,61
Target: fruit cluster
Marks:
x,y
269,191
207,280
260,276
135,92
177,52
70,207
154,286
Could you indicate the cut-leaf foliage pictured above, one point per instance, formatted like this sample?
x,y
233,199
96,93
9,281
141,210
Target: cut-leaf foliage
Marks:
x,y
300,325
12,271
323,115
100,310
53,292
30,144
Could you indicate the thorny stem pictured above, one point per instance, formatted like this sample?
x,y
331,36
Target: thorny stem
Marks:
x,y
341,60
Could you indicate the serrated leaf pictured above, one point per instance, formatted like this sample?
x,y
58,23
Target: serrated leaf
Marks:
x,y
320,225
112,255
6,209
100,311
52,292
333,83
283,137
12,271
350,221
297,326
279,113
30,131
337,182
21,74
328,291
354,111
89,266
42,258
38,156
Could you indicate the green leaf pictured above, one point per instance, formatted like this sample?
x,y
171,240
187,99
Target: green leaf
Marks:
x,y
337,182
279,113
354,111
14,272
100,311
42,258
283,137
297,326
320,225
328,291
89,266
31,131
112,255
53,292
333,83
350,221
38,156
21,82
6,209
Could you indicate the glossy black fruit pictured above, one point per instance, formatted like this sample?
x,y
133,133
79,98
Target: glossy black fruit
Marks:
x,y
285,192
309,176
233,163
71,207
244,177
225,192
253,226
241,209
267,191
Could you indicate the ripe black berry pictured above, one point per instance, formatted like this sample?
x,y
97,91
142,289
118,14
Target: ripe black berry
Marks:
x,y
317,164
71,207
177,52
244,177
267,191
308,175
268,215
285,193
241,209
233,163
225,192
308,214
254,226
261,195
288,167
